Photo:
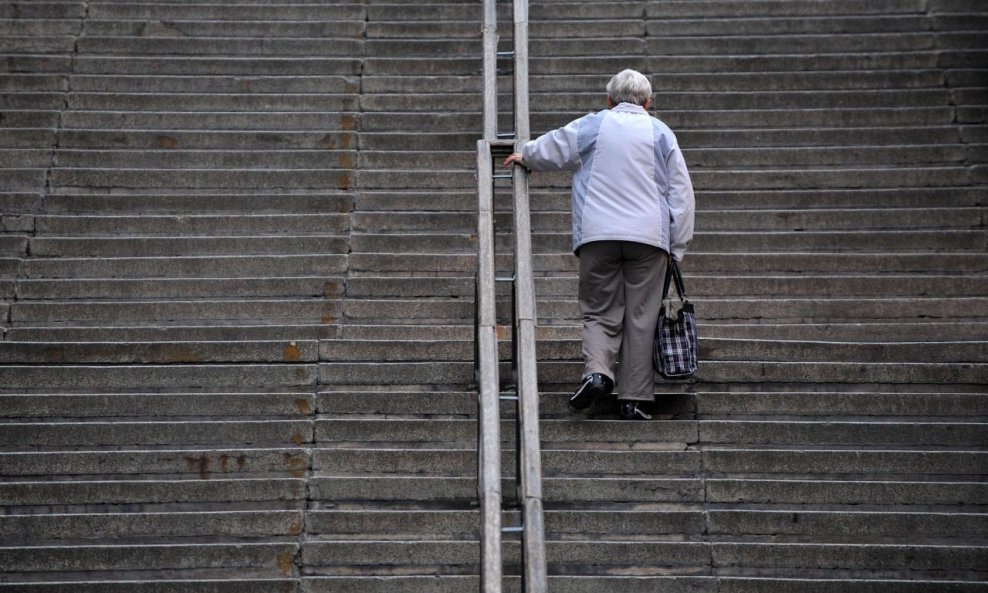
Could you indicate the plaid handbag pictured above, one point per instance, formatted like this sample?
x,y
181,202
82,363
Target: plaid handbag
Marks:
x,y
674,353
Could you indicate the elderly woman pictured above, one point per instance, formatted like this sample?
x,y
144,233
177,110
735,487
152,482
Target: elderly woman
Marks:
x,y
632,210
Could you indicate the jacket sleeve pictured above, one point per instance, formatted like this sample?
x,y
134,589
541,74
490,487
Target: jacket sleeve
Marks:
x,y
682,204
554,151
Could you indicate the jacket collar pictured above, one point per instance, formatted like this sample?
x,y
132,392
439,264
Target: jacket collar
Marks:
x,y
628,108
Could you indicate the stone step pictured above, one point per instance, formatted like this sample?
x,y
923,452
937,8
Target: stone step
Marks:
x,y
750,179
13,245
32,100
230,376
178,288
198,204
43,10
25,27
848,492
321,224
830,523
918,286
732,310
739,460
750,432
274,83
423,462
184,432
231,583
154,246
553,65
633,27
38,64
660,43
604,65
223,102
27,138
712,349
445,524
846,285
652,490
207,139
212,65
260,558
558,432
852,403
228,11
799,8
200,463
611,525
801,220
726,158
681,120
397,403
249,329
795,80
775,433
37,44
456,490
147,492
446,29
196,28
253,160
668,100
376,373
459,557
291,310
763,262
701,401
233,524
22,179
632,584
564,556
909,330
157,179
187,267
818,137
171,122
766,25
159,353
24,82
157,405
717,284
558,200
336,43
657,43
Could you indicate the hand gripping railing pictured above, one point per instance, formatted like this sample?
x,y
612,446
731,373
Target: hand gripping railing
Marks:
x,y
528,455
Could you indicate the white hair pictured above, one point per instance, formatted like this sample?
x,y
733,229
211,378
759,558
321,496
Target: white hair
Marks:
x,y
629,86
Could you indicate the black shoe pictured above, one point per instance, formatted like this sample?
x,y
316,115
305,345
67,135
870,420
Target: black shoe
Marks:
x,y
594,386
632,411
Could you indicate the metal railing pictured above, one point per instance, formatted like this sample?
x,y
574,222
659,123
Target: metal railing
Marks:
x,y
528,462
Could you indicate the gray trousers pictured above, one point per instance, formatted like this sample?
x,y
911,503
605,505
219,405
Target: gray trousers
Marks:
x,y
620,297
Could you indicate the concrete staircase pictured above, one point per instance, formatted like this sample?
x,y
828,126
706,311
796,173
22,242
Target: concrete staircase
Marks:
x,y
236,262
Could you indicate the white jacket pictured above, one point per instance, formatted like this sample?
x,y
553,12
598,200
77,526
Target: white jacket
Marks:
x,y
630,181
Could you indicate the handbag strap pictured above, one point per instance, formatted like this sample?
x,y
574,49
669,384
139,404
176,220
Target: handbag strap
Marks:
x,y
673,274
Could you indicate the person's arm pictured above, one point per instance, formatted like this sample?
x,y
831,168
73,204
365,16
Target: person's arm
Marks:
x,y
682,204
553,151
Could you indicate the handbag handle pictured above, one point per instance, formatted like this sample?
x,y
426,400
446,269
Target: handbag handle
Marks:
x,y
672,273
